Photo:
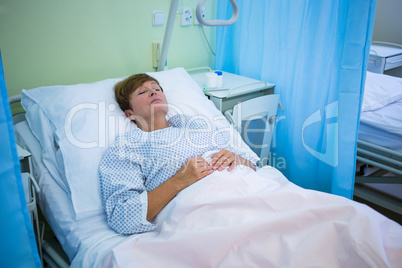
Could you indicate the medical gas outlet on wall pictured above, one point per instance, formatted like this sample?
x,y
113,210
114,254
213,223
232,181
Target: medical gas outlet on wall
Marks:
x,y
195,16
186,16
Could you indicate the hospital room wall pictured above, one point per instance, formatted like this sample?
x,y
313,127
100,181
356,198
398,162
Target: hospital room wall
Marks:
x,y
46,42
387,26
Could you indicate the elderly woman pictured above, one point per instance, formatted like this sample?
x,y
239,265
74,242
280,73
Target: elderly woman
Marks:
x,y
148,166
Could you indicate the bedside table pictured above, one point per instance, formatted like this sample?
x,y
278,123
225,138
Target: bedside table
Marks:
x,y
235,88
30,189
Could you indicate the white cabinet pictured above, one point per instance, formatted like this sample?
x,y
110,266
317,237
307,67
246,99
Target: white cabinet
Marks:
x,y
234,90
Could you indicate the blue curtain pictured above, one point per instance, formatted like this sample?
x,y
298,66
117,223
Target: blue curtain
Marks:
x,y
17,247
316,53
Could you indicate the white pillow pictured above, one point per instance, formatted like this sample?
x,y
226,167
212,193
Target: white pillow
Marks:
x,y
80,116
381,90
86,120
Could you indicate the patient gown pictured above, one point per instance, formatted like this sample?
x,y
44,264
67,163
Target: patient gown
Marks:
x,y
140,161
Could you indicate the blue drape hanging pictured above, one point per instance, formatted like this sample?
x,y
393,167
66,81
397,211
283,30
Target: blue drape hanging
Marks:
x,y
17,247
316,53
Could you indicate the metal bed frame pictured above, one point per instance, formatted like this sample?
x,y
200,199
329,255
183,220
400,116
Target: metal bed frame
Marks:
x,y
385,159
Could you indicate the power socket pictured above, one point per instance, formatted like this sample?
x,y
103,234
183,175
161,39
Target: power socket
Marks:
x,y
186,16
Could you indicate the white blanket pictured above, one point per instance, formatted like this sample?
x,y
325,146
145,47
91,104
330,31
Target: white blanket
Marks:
x,y
243,219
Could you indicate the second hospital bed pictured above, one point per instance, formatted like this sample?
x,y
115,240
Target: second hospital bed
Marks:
x,y
380,142
242,219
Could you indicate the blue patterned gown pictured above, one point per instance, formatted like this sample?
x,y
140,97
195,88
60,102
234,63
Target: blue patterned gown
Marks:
x,y
140,161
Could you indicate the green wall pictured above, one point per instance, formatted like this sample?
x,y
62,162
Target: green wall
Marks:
x,y
47,42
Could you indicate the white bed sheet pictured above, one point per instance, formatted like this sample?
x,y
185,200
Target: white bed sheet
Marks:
x,y
383,126
249,219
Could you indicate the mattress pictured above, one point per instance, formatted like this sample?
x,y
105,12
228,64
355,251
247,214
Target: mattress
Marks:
x,y
383,126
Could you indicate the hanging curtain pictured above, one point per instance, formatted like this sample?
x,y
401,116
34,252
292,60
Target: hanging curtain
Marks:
x,y
18,247
316,53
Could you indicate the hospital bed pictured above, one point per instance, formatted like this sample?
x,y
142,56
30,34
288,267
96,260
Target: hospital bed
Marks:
x,y
244,218
380,142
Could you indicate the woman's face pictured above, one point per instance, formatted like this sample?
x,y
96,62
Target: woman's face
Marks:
x,y
147,101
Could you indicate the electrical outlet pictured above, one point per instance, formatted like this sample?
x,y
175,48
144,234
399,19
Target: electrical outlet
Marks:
x,y
195,16
186,16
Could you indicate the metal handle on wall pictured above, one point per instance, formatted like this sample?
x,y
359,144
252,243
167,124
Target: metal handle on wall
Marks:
x,y
235,14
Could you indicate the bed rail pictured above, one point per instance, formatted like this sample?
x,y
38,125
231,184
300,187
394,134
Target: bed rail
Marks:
x,y
386,44
14,99
380,157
